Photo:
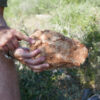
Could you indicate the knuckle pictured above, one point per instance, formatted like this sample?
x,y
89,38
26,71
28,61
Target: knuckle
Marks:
x,y
15,42
12,30
10,36
35,52
1,44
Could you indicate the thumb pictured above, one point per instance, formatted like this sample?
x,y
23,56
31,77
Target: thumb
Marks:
x,y
21,36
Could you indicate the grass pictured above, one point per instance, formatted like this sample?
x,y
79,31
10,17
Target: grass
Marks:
x,y
74,18
70,17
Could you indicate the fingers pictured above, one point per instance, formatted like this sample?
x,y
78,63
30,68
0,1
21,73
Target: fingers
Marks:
x,y
35,52
5,38
21,36
25,56
30,54
34,61
37,65
15,43
39,68
25,49
10,46
9,41
5,49
26,53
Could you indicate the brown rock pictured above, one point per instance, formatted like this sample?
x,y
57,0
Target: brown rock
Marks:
x,y
60,51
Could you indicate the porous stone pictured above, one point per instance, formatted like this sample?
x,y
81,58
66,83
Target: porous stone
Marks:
x,y
60,51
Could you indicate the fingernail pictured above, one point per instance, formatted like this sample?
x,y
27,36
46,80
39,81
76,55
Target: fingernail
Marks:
x,y
32,41
47,65
38,50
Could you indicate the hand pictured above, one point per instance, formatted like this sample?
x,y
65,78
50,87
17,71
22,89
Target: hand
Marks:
x,y
26,57
9,39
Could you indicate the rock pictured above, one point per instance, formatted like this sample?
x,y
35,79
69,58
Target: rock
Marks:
x,y
60,51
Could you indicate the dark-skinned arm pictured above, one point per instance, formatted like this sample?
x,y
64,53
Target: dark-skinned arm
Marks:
x,y
9,41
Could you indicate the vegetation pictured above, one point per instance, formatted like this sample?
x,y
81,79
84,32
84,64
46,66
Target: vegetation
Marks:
x,y
74,18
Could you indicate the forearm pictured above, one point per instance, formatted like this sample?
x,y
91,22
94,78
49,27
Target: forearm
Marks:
x,y
2,20
9,89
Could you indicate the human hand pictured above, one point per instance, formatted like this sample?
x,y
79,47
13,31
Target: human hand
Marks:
x,y
25,56
9,39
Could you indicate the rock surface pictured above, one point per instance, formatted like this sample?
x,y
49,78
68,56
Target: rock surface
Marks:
x,y
60,51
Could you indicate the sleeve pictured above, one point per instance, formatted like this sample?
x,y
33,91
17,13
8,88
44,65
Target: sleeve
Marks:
x,y
3,3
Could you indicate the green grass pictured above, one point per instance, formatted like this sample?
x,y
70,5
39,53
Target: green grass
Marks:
x,y
68,16
74,18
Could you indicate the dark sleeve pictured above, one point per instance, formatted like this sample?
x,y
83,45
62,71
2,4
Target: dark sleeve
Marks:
x,y
3,3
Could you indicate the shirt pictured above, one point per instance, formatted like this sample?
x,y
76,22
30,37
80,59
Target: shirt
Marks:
x,y
3,3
